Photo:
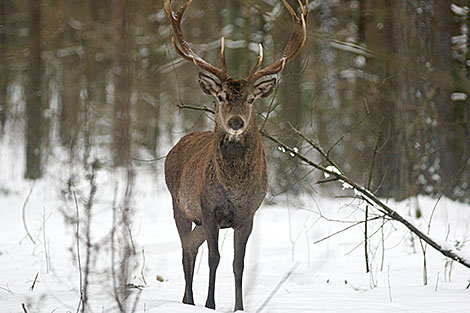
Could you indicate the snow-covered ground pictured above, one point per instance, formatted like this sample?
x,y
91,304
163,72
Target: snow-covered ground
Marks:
x,y
285,271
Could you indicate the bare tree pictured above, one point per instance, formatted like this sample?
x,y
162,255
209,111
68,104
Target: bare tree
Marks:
x,y
122,81
34,105
3,66
442,57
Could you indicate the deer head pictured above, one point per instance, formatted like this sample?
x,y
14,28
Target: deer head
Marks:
x,y
235,98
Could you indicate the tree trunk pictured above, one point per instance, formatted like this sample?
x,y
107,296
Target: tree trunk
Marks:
x,y
3,67
328,127
290,95
403,37
97,67
446,125
122,82
70,102
34,119
375,24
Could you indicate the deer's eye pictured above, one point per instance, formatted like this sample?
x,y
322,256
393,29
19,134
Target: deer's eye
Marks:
x,y
251,100
220,98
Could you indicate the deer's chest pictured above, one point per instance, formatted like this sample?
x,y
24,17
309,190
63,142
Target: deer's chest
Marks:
x,y
233,200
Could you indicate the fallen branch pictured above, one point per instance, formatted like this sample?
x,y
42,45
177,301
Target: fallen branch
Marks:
x,y
372,198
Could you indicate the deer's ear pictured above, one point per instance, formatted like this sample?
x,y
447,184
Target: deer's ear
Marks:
x,y
265,88
209,85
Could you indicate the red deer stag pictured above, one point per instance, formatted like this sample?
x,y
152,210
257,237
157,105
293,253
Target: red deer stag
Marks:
x,y
218,179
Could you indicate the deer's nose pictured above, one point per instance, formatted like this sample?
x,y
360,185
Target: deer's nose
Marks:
x,y
235,122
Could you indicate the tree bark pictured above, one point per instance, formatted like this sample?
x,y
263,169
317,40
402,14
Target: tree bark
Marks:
x,y
446,130
290,95
122,82
34,106
70,87
3,67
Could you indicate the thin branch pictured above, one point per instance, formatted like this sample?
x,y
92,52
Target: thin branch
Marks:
x,y
270,109
432,212
44,239
88,217
77,234
389,285
345,229
149,160
203,108
23,215
314,145
143,267
7,290
347,132
324,181
113,250
370,236
34,282
369,181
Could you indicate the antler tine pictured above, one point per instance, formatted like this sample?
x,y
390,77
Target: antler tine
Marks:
x,y
303,15
184,49
294,34
222,55
260,60
183,8
292,47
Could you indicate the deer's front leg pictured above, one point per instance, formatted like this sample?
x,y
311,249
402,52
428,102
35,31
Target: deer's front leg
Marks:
x,y
240,239
211,231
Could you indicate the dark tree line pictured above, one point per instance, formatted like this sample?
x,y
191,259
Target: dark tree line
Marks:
x,y
382,85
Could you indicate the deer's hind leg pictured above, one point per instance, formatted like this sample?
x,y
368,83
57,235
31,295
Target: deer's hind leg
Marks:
x,y
191,240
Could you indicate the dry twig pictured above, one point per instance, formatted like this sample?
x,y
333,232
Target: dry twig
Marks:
x,y
23,215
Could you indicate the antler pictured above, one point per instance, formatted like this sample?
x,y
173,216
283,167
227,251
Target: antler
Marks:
x,y
293,46
185,51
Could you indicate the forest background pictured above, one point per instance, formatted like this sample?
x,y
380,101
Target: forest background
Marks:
x,y
382,85
90,86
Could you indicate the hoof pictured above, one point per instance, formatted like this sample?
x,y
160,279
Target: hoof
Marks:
x,y
188,301
239,308
210,305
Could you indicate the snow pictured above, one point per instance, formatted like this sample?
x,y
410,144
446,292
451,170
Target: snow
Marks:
x,y
331,168
325,277
462,11
459,96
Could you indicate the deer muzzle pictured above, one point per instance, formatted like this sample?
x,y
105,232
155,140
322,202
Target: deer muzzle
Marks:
x,y
235,125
